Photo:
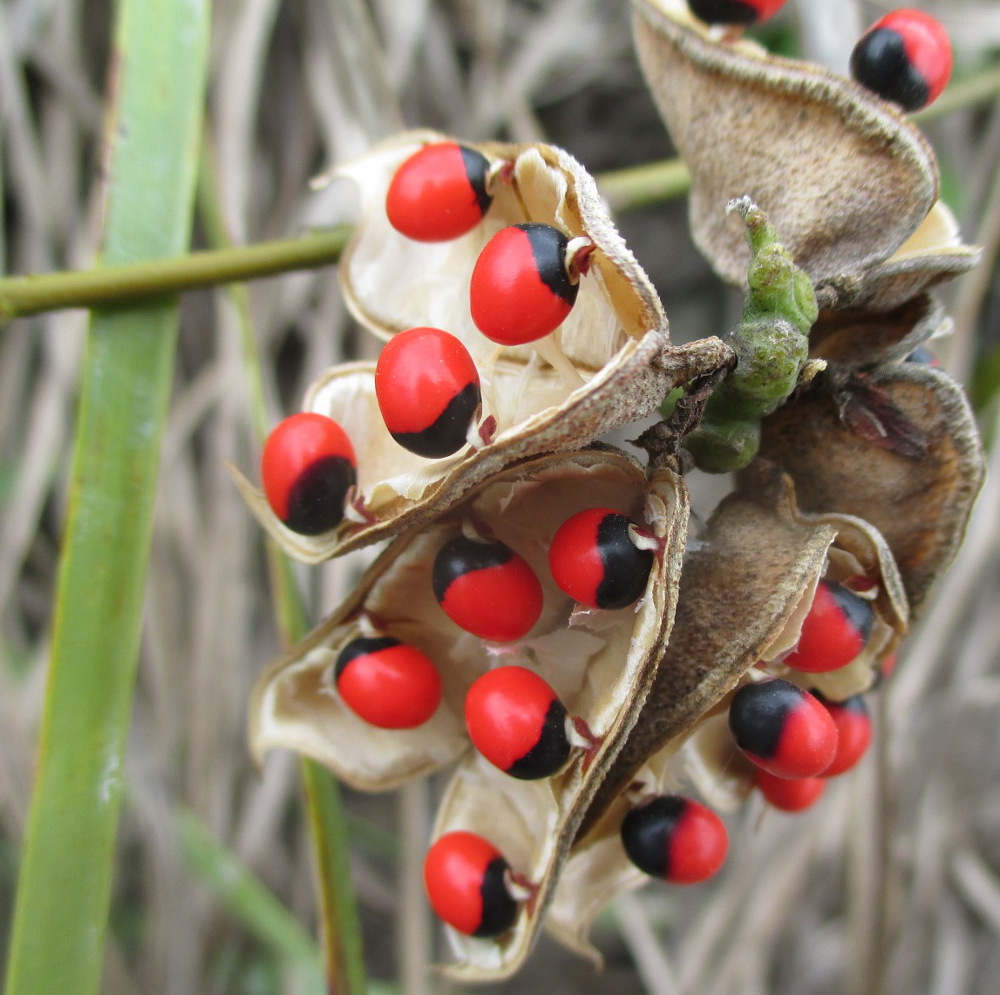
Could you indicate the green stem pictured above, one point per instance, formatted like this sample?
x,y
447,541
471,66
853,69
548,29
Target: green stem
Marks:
x,y
109,285
624,190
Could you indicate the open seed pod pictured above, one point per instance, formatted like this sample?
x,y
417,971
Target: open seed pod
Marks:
x,y
601,665
896,447
608,364
599,662
849,182
745,591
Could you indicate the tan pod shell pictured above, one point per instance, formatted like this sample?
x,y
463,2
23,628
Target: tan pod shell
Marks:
x,y
613,359
744,594
599,662
847,180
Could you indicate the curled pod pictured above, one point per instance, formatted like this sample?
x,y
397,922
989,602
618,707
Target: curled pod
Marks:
x,y
613,362
596,664
723,633
850,184
297,702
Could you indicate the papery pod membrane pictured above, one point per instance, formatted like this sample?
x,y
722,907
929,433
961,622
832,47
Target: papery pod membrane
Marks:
x,y
913,470
854,339
613,360
745,591
599,662
846,179
403,491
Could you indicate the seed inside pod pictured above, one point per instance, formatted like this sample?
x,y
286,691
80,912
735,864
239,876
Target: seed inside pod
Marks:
x,y
783,728
521,288
595,559
905,57
854,731
439,193
676,839
428,391
517,722
308,467
486,588
835,630
735,11
466,881
387,683
790,794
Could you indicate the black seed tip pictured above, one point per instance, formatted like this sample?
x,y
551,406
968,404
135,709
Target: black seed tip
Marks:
x,y
880,63
499,907
448,432
646,833
626,567
551,751
316,499
461,556
548,248
362,646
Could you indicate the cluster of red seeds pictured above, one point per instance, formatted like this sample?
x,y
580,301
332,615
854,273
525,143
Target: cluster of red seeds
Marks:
x,y
523,286
795,738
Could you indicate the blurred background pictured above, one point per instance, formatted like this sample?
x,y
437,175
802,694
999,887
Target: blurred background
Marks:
x,y
892,883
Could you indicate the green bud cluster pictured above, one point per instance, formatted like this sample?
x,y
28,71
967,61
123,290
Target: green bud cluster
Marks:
x,y
771,344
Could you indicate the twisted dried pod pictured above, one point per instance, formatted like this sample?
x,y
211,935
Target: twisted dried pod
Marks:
x,y
745,590
850,183
599,662
611,360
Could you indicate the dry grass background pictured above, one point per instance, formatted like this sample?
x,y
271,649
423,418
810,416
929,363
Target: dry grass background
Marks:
x,y
891,884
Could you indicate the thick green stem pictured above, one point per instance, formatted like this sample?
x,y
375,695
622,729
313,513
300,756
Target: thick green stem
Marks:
x,y
109,285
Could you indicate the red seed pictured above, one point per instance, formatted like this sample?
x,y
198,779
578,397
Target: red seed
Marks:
x,y
854,731
487,589
790,794
439,193
905,57
520,289
464,879
428,391
308,466
387,683
735,11
783,728
517,722
835,630
594,560
676,839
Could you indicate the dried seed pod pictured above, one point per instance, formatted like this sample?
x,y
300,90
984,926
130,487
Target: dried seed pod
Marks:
x,y
744,594
599,664
903,430
848,181
610,363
